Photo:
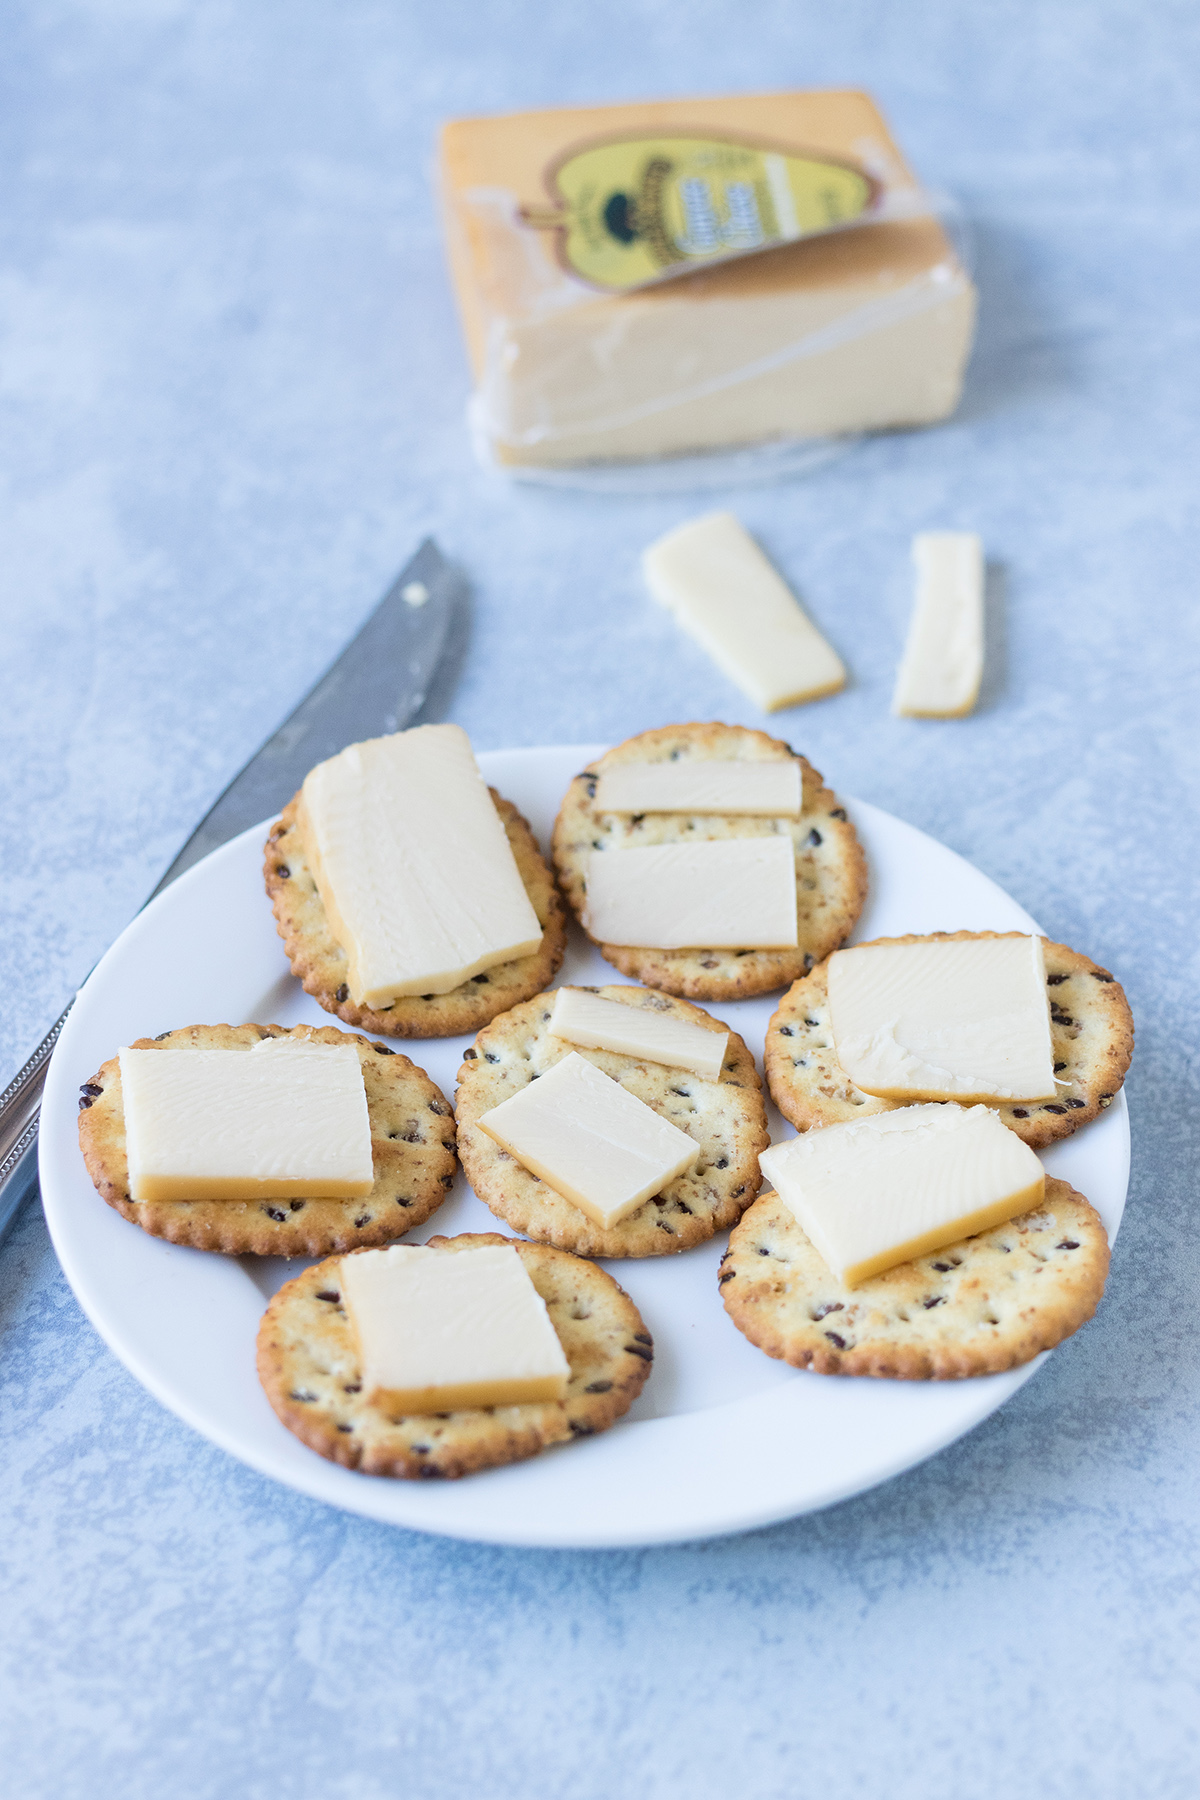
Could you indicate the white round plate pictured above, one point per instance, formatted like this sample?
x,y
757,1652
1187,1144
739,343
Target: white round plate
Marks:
x,y
722,1438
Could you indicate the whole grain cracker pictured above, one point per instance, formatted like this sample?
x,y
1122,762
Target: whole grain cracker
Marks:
x,y
1091,1034
726,1117
976,1307
308,1364
831,871
412,1149
319,961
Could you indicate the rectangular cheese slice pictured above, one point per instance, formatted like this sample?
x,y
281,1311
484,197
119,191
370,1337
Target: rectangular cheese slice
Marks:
x,y
442,1329
944,1019
772,790
413,865
728,894
878,1191
637,1029
590,1140
723,592
942,665
282,1118
864,329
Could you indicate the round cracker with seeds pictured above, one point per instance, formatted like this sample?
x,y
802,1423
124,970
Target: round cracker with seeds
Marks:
x,y
976,1307
412,1148
831,870
319,961
308,1364
726,1117
1091,1035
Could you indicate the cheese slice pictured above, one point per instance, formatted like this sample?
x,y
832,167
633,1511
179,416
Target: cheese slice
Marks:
x,y
731,893
591,1140
725,594
878,1191
284,1118
413,865
438,1330
635,1029
943,658
941,1019
772,790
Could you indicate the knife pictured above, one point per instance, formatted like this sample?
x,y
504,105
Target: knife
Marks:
x,y
377,684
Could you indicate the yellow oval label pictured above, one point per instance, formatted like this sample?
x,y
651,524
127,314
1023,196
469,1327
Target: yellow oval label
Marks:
x,y
635,209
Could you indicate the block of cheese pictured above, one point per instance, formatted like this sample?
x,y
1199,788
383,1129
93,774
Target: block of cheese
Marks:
x,y
772,790
282,1118
726,894
864,329
944,1019
589,1139
723,592
413,866
878,1191
596,1023
942,665
438,1330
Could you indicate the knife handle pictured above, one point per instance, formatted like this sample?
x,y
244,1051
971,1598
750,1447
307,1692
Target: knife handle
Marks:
x,y
20,1105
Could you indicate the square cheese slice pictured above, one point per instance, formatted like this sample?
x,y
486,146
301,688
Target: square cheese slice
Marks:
x,y
283,1118
723,592
942,666
944,1019
597,1023
589,1139
878,1191
730,893
438,1330
413,866
772,790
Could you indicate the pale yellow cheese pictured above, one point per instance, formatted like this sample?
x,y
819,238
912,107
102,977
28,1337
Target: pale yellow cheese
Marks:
x,y
596,1023
413,866
942,665
282,1118
878,1191
944,1020
591,1140
725,594
772,790
438,1330
730,893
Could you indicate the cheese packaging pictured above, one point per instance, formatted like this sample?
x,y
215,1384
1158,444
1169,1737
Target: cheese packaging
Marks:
x,y
771,790
723,592
942,665
654,279
413,865
438,1330
724,894
589,1139
944,1019
596,1023
878,1191
284,1118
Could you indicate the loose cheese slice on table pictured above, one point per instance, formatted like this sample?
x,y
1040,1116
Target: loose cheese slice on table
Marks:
x,y
599,1024
942,664
413,865
878,1191
772,790
591,1140
725,594
944,1019
731,893
438,1330
283,1118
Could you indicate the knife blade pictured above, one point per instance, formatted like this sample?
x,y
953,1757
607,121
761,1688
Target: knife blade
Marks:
x,y
378,684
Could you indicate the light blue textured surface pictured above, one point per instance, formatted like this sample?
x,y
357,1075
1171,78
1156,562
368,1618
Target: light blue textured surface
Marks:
x,y
231,392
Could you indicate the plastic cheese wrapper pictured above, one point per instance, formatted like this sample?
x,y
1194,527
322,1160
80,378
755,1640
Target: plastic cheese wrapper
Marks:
x,y
671,279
